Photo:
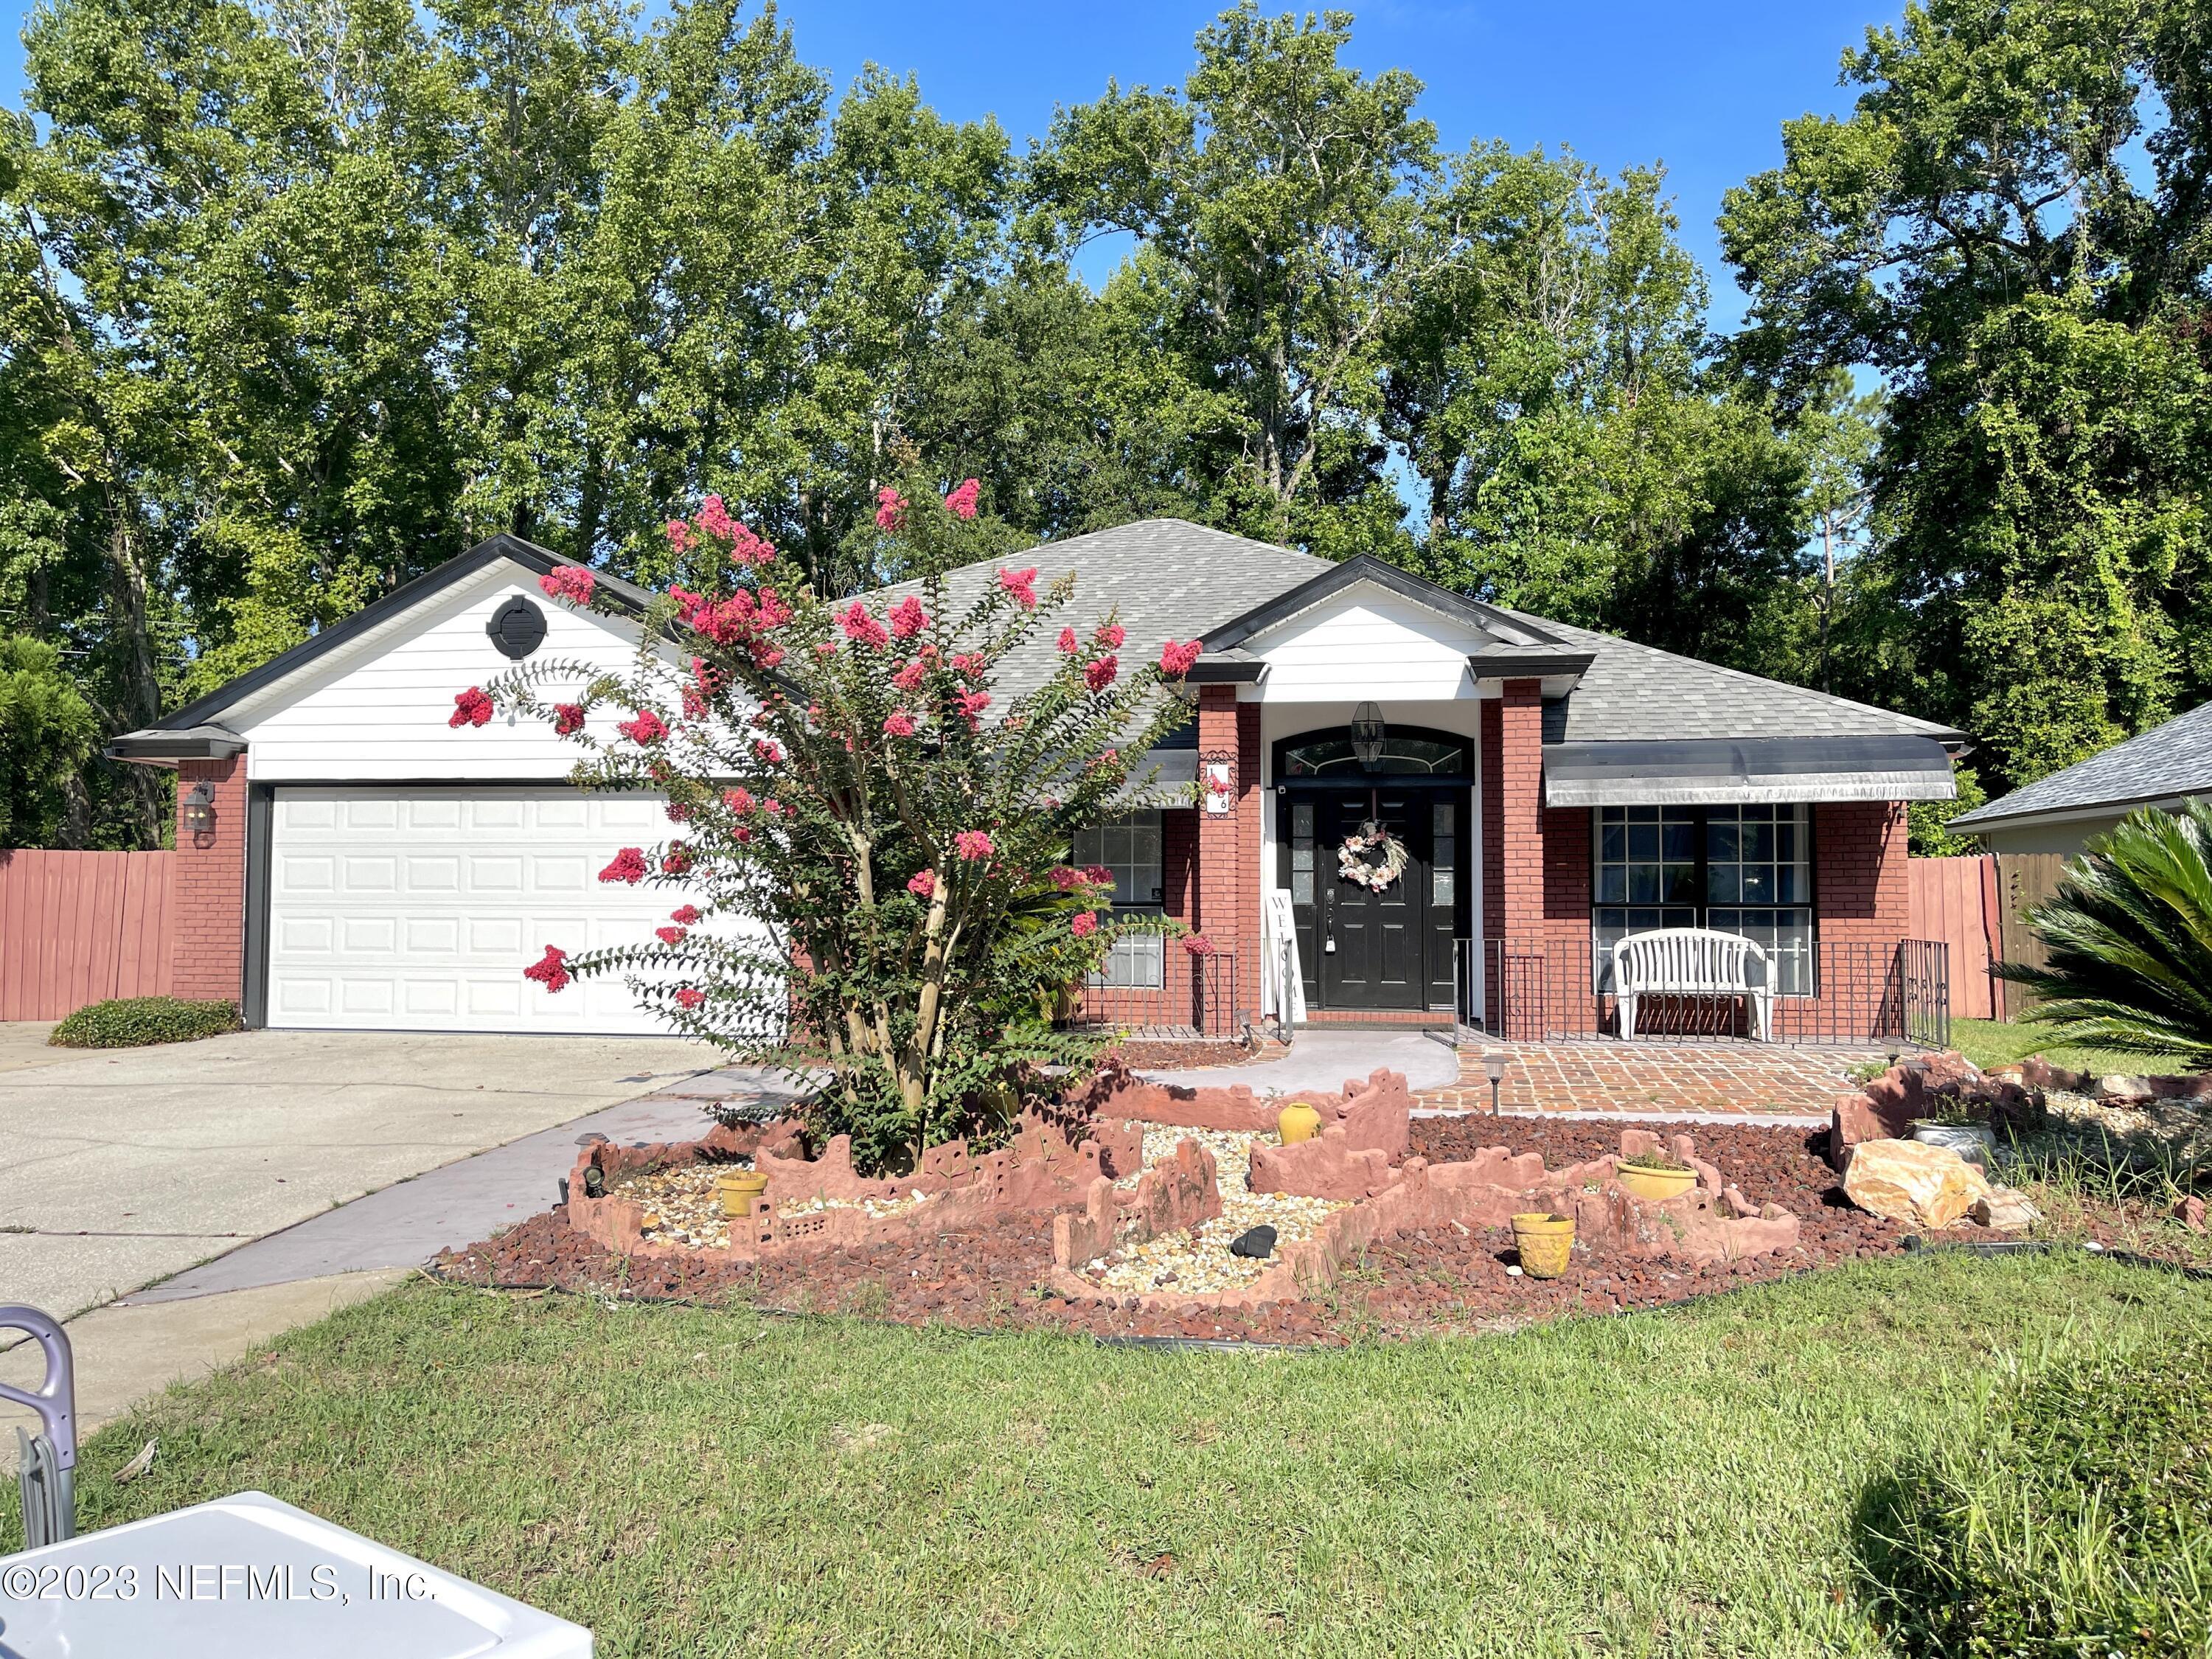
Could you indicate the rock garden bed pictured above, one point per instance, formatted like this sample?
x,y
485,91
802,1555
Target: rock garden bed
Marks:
x,y
1118,1219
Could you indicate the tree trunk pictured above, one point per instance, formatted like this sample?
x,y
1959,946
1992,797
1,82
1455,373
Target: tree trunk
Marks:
x,y
141,683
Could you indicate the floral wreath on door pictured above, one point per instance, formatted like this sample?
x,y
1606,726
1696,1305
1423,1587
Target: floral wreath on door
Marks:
x,y
1353,863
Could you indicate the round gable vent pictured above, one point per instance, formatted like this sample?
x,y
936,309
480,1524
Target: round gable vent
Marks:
x,y
517,627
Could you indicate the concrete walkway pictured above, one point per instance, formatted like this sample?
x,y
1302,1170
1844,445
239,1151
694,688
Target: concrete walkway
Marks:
x,y
127,1165
1322,1061
406,1223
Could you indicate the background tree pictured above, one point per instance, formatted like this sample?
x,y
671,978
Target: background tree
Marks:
x,y
46,732
2011,228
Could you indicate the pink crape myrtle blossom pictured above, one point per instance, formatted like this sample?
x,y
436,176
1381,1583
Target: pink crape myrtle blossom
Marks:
x,y
860,625
690,997
629,865
1199,946
571,582
1100,674
669,935
470,708
922,884
1065,876
890,509
960,503
567,719
647,728
1111,635
898,724
680,535
1021,585
772,806
550,970
738,801
748,549
973,844
1097,875
909,678
678,859
909,618
769,750
1084,926
971,703
1069,643
684,915
1176,660
714,518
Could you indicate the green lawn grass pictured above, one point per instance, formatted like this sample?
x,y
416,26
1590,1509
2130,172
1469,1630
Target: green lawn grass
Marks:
x,y
694,1482
1989,1042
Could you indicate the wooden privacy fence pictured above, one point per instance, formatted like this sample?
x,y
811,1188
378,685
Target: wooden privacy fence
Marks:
x,y
1954,900
80,927
1976,906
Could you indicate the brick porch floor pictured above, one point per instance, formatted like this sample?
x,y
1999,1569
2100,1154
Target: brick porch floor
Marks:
x,y
1636,1077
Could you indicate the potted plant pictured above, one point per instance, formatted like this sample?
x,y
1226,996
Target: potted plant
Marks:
x,y
1544,1239
1657,1175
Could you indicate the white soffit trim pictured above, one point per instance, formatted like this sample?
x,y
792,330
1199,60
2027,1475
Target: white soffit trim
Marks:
x,y
1746,771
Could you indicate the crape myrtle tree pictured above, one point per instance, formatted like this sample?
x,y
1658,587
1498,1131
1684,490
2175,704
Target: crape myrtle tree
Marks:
x,y
869,853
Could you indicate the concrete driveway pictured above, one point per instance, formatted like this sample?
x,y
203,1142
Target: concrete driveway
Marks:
x,y
125,1166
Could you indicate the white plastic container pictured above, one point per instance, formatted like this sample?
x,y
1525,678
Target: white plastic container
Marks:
x,y
249,1577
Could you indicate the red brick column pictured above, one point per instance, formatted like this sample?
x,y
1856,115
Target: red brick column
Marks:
x,y
1521,812
1228,886
207,929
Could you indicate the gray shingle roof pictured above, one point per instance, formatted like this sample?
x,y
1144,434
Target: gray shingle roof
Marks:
x,y
1172,579
2172,760
1638,693
1168,579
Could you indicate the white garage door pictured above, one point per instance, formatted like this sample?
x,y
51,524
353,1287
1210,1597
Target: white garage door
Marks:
x,y
393,908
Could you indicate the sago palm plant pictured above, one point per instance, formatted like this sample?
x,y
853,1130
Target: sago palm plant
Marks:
x,y
2129,934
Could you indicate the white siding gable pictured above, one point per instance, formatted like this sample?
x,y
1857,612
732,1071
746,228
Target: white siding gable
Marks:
x,y
1366,642
377,707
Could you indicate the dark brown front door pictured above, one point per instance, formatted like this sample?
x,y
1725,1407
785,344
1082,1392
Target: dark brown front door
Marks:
x,y
1359,948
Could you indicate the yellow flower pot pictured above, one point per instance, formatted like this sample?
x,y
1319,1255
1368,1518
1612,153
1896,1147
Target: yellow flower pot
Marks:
x,y
738,1189
1656,1185
1544,1241
1298,1122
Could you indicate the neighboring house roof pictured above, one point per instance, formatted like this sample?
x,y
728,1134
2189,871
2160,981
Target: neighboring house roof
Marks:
x,y
2167,762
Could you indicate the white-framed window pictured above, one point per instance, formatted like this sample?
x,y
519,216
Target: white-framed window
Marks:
x,y
1744,870
1129,846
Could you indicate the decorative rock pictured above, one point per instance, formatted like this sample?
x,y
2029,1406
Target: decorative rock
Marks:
x,y
2005,1210
2190,1212
1258,1244
1905,1180
2117,1088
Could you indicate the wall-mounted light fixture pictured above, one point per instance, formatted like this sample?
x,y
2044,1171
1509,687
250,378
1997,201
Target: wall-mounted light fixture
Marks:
x,y
198,806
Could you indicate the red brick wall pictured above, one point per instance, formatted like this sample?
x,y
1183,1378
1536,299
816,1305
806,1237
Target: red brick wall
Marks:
x,y
207,938
1179,864
1566,872
1861,889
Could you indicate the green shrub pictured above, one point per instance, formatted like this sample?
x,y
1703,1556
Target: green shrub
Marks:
x,y
134,1022
2076,1519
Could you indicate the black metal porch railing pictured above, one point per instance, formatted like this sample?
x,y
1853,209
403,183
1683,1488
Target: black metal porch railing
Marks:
x,y
1196,997
1858,992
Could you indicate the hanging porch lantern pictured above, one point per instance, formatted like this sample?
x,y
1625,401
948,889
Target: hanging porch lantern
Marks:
x,y
1367,733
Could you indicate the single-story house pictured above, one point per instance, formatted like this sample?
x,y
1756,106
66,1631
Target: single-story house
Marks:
x,y
2163,768
347,860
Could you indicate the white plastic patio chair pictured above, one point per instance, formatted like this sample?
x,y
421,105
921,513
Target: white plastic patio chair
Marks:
x,y
1691,961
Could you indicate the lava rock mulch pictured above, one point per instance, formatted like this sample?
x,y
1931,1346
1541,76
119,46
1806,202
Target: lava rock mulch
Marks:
x,y
1439,1280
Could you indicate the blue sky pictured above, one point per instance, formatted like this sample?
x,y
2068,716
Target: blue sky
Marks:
x,y
1702,85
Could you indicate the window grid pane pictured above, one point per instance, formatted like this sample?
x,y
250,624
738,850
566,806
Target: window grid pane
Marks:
x,y
1130,847
1757,880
